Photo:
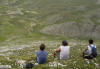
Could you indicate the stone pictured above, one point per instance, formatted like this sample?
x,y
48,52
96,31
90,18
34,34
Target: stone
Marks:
x,y
5,66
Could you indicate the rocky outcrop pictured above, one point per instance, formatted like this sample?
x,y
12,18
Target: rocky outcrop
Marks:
x,y
72,29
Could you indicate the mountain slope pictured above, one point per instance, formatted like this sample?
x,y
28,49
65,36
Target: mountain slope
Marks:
x,y
24,17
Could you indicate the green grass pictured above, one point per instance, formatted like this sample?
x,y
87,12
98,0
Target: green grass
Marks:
x,y
49,12
75,60
24,29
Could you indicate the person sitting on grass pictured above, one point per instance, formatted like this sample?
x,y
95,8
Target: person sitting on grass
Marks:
x,y
41,56
63,51
90,51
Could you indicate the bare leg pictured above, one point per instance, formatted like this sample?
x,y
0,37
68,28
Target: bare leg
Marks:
x,y
57,55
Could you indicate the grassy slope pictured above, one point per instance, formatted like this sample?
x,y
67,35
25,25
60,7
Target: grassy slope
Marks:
x,y
42,13
75,61
24,28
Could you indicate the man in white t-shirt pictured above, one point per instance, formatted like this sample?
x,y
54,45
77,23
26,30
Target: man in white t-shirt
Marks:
x,y
63,51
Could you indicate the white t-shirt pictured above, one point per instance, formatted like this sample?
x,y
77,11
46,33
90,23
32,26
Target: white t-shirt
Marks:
x,y
65,50
90,49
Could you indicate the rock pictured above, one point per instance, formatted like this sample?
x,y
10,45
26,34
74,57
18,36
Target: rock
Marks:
x,y
98,21
17,11
5,67
98,2
61,65
77,30
55,64
75,62
21,63
8,58
87,61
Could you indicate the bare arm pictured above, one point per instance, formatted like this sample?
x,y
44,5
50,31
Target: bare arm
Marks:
x,y
86,48
35,53
58,49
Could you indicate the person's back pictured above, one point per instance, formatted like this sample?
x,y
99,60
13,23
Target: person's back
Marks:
x,y
41,56
90,48
64,53
92,52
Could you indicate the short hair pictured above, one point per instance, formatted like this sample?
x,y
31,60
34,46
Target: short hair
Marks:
x,y
64,43
91,41
42,47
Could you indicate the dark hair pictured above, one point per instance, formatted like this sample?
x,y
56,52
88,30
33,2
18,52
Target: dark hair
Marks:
x,y
42,47
90,41
64,43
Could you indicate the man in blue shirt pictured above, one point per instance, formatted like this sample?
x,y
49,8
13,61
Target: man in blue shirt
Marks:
x,y
41,56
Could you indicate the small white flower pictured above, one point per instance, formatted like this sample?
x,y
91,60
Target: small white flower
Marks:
x,y
96,64
87,61
36,64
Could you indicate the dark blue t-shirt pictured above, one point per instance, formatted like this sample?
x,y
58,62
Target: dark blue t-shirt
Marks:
x,y
41,57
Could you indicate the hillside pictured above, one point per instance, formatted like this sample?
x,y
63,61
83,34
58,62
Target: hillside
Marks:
x,y
33,15
25,24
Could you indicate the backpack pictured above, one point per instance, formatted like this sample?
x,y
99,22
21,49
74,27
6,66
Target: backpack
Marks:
x,y
86,55
29,65
94,51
